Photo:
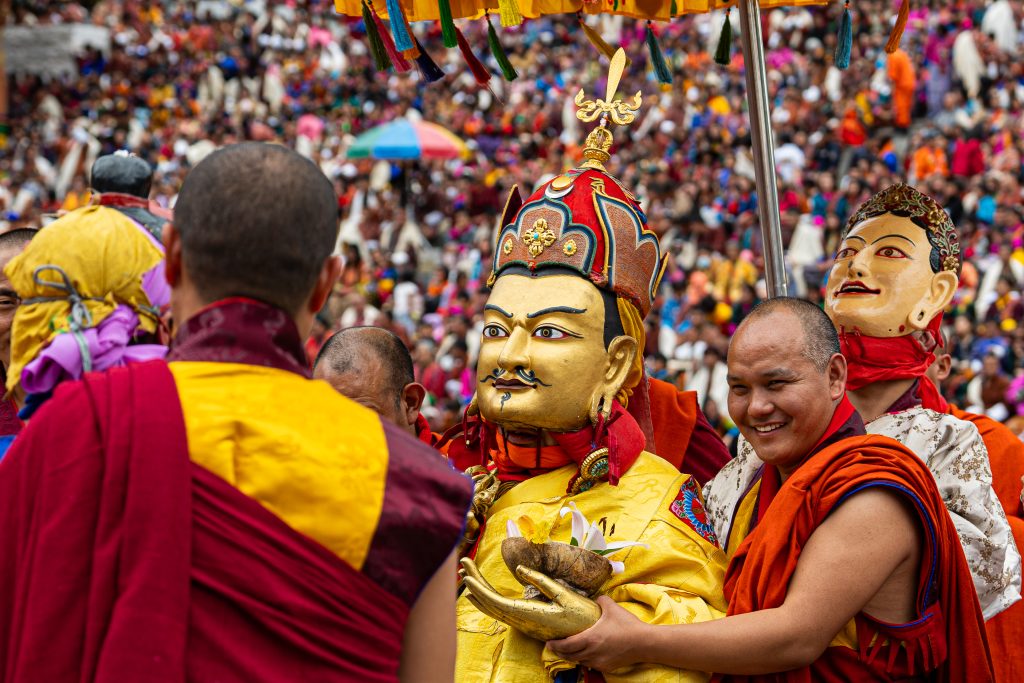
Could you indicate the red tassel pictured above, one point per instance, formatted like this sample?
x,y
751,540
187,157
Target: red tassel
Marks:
x,y
480,72
400,63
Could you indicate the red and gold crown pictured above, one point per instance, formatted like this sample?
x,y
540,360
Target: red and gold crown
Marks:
x,y
584,219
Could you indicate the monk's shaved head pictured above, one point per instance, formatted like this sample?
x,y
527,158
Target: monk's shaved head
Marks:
x,y
361,350
256,220
820,341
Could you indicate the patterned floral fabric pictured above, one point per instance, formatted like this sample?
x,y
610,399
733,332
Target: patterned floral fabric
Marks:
x,y
956,456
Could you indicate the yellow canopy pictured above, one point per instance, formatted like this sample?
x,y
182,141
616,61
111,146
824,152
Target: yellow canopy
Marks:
x,y
660,10
103,256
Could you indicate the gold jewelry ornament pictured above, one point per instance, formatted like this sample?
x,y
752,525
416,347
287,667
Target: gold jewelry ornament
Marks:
x,y
538,239
507,247
569,248
593,469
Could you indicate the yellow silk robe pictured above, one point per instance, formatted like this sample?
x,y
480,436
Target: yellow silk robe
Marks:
x,y
677,579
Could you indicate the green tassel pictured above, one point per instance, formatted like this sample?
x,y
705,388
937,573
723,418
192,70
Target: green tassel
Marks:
x,y
444,10
661,70
675,9
508,71
723,53
377,49
844,45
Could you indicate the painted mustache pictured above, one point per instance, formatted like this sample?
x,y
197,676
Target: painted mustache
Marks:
x,y
523,378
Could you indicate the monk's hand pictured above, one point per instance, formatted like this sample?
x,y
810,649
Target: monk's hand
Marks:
x,y
568,613
608,645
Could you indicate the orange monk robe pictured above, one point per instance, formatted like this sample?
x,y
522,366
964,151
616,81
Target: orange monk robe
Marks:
x,y
946,642
1006,457
901,74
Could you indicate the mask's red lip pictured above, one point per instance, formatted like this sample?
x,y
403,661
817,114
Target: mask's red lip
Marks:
x,y
856,287
511,384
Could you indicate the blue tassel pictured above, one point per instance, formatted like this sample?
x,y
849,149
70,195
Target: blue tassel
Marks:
x,y
845,44
403,41
428,67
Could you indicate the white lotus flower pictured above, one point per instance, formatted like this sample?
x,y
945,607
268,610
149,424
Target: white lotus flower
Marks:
x,y
588,536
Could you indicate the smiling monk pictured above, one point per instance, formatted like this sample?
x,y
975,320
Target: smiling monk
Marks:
x,y
849,568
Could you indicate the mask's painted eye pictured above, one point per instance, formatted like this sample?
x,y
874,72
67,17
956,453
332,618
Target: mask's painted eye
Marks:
x,y
846,252
892,252
549,333
493,331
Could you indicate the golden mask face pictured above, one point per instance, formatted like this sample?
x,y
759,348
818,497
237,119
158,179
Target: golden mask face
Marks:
x,y
881,283
543,363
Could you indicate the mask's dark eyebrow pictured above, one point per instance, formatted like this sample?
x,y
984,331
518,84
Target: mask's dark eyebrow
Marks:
x,y
856,237
556,309
497,309
902,237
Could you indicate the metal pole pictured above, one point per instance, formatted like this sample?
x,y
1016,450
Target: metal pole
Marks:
x,y
764,149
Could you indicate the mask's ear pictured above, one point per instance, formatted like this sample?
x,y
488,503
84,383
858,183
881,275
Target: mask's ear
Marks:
x,y
621,353
939,294
513,203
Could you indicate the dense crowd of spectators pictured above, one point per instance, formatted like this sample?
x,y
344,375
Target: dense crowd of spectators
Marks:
x,y
946,113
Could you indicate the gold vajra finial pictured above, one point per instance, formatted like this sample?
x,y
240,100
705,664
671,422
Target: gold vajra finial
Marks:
x,y
599,141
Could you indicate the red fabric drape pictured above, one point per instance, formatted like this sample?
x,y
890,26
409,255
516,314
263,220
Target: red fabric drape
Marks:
x,y
123,561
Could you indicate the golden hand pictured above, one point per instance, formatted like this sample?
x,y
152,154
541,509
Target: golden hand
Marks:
x,y
567,614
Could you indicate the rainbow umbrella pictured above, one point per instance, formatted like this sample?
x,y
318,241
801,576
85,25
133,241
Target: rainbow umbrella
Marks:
x,y
406,139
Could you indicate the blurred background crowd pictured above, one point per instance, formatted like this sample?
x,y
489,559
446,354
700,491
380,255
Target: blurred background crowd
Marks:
x,y
945,113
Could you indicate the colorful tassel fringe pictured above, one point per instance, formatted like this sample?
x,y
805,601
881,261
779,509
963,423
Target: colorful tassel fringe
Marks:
x,y
897,30
480,72
444,10
508,72
661,70
398,61
723,53
509,12
377,50
844,44
428,67
400,30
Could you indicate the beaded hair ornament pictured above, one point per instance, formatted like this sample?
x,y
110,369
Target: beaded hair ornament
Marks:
x,y
904,200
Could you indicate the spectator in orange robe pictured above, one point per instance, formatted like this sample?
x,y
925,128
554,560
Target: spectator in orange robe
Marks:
x,y
903,79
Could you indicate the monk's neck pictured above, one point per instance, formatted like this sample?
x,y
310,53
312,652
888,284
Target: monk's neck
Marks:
x,y
873,400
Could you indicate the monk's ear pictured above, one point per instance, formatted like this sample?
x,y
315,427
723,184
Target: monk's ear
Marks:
x,y
836,372
172,250
411,401
940,293
329,274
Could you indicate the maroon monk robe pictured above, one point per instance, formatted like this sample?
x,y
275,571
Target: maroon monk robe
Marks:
x,y
124,561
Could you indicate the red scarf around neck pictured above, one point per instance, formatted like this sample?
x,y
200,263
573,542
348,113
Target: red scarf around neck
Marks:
x,y
620,434
878,359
